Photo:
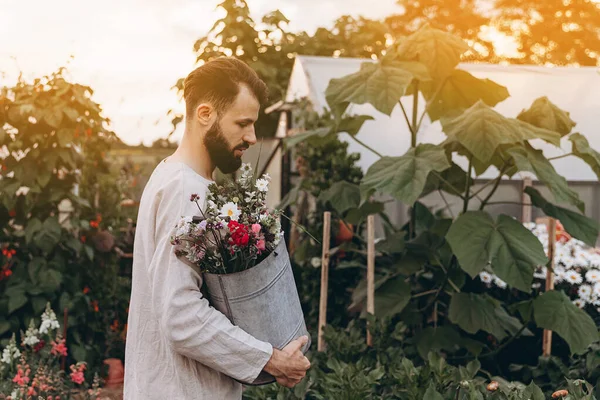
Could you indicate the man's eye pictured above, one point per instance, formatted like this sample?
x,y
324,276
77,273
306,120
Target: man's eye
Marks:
x,y
242,124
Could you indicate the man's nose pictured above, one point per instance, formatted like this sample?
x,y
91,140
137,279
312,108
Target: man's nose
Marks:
x,y
250,137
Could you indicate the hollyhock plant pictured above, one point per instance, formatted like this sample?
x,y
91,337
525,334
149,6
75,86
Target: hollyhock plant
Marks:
x,y
234,230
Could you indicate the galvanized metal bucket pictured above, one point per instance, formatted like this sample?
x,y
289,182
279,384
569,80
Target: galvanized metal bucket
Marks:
x,y
263,301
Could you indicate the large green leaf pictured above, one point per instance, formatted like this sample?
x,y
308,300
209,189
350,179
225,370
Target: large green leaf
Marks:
x,y
392,297
577,225
380,84
481,130
49,235
404,177
33,226
582,149
544,114
506,245
16,301
438,50
453,181
475,312
292,141
4,326
34,267
533,392
444,338
458,92
352,124
554,311
529,159
342,196
431,393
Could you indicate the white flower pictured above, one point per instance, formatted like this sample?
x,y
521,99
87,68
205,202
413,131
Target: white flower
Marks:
x,y
579,303
263,217
31,335
49,321
593,275
315,262
573,277
267,177
536,285
11,352
230,210
585,292
500,283
541,273
596,290
15,394
486,277
262,185
211,205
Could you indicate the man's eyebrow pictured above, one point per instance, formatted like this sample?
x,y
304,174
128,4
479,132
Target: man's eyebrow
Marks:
x,y
246,120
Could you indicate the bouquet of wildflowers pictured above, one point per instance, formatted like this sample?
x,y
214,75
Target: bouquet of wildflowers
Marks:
x,y
32,370
235,232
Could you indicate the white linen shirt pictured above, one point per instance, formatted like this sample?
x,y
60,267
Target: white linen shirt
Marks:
x,y
178,346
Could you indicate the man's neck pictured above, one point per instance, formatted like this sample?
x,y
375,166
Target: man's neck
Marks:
x,y
192,152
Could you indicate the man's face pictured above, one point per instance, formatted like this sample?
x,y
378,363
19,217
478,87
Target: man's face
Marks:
x,y
233,133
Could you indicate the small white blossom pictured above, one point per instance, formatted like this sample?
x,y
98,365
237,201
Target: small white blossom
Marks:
x,y
541,273
262,185
11,352
573,277
486,277
500,283
536,285
585,292
579,303
267,177
31,338
593,275
596,290
49,321
230,210
315,262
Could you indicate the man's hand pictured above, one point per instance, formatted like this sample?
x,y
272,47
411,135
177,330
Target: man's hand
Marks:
x,y
289,365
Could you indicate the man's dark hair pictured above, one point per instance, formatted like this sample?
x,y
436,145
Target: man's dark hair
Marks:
x,y
218,82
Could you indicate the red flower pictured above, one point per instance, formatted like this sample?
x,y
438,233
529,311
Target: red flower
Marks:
x,y
239,233
95,305
12,213
7,273
83,239
39,346
86,290
21,379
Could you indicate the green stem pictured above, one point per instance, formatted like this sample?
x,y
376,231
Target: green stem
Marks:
x,y
446,201
468,186
485,201
451,186
415,110
507,202
559,157
430,102
406,118
303,229
366,146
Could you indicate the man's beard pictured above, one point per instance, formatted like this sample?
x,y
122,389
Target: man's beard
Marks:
x,y
219,151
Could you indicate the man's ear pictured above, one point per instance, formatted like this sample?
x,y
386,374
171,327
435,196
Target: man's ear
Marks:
x,y
205,114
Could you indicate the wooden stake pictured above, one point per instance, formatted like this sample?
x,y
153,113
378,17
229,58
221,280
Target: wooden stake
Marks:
x,y
526,214
370,272
324,278
547,338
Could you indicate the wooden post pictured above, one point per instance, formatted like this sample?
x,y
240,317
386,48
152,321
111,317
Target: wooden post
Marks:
x,y
324,278
551,225
370,272
526,215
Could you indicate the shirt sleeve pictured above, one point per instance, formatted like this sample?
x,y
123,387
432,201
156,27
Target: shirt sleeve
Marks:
x,y
191,325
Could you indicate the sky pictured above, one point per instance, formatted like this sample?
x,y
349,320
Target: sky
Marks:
x,y
131,52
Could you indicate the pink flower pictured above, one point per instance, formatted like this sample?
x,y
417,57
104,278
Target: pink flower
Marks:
x,y
21,379
59,348
256,228
260,245
77,377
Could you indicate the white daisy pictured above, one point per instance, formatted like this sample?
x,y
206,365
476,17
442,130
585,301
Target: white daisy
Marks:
x,y
230,210
262,185
486,277
593,275
596,290
585,292
579,303
573,277
500,283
